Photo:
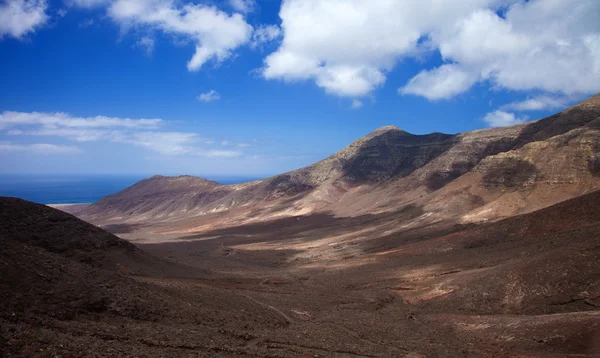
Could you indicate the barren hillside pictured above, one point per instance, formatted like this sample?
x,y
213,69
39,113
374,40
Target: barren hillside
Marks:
x,y
470,177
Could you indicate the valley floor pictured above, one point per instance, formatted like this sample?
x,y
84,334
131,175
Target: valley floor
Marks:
x,y
316,286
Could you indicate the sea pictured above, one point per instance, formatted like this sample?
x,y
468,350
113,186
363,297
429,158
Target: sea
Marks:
x,y
69,189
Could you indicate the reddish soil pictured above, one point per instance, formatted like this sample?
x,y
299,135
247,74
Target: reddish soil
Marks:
x,y
312,286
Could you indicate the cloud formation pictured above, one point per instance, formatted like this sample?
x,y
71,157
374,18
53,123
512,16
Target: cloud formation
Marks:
x,y
502,119
538,104
40,148
20,17
348,47
265,34
215,33
209,96
63,120
243,6
143,133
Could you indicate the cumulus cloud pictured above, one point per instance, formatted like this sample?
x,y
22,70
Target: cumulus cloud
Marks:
x,y
538,104
40,148
215,33
348,47
502,119
440,83
209,96
145,133
20,17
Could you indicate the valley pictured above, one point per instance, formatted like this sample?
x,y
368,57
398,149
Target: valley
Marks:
x,y
480,244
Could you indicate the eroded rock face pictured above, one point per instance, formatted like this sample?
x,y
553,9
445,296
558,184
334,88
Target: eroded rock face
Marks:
x,y
390,168
395,153
510,172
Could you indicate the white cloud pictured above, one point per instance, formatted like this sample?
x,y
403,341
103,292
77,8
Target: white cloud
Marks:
x,y
538,104
88,3
63,120
502,119
139,132
40,148
147,43
348,47
356,104
209,96
176,143
20,17
243,6
265,34
440,83
80,129
216,33
168,143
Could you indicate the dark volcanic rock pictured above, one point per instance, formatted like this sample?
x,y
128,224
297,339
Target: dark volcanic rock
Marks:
x,y
395,153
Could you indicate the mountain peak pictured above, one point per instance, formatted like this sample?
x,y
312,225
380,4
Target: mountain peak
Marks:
x,y
389,128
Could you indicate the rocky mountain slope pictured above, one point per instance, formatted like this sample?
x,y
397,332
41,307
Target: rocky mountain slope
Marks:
x,y
468,177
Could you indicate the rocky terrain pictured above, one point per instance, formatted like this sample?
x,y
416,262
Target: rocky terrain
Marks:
x,y
527,286
480,244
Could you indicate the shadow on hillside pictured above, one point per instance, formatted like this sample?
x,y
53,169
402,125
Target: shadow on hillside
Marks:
x,y
122,228
364,234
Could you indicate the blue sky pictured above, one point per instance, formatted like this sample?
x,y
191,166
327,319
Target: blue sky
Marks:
x,y
255,88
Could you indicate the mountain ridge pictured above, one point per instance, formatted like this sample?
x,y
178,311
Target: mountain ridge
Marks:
x,y
388,168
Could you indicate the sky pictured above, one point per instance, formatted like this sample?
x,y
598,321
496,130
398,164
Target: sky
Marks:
x,y
259,87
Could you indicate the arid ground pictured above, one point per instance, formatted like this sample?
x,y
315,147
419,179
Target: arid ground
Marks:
x,y
309,286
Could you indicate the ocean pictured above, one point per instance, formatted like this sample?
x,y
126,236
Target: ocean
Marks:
x,y
75,189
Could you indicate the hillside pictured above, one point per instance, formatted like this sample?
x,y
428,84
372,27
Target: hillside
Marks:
x,y
70,289
527,286
469,177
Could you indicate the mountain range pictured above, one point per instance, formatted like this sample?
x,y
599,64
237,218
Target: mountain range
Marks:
x,y
479,244
464,178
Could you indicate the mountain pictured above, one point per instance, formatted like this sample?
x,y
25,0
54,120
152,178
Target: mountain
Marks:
x,y
480,244
469,177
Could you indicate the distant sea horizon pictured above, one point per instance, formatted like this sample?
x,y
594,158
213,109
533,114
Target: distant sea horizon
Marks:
x,y
77,189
